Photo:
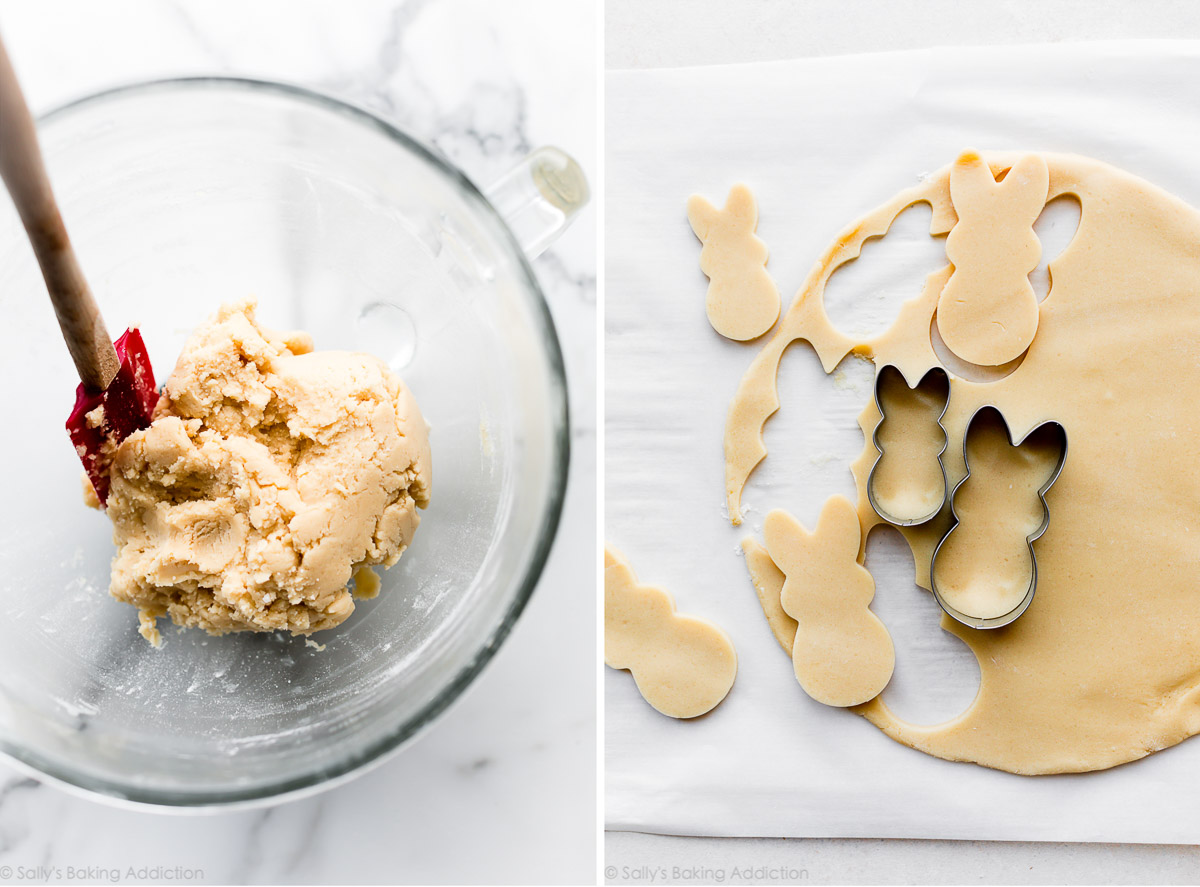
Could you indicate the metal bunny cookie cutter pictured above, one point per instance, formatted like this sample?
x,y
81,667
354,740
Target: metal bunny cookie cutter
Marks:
x,y
939,591
890,377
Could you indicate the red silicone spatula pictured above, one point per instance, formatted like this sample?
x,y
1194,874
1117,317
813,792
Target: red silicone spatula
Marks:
x,y
116,394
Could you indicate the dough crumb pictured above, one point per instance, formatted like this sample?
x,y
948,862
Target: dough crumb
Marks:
x,y
270,474
90,499
366,583
148,628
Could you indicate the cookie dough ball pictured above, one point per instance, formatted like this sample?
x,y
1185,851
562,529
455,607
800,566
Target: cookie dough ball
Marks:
x,y
270,474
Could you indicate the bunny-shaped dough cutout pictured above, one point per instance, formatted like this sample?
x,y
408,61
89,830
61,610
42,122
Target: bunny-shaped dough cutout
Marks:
x,y
985,568
907,483
683,666
742,301
843,655
987,313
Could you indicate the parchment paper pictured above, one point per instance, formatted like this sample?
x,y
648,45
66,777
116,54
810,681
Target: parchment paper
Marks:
x,y
821,142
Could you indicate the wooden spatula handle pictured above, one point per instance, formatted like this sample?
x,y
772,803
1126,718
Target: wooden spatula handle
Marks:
x,y
25,175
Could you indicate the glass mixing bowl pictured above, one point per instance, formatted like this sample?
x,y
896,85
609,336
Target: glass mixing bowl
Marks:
x,y
180,195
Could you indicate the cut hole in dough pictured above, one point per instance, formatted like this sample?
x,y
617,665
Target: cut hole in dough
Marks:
x,y
1055,228
961,368
801,476
937,675
863,295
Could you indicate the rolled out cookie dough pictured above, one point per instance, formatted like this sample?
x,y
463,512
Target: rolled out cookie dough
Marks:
x,y
1104,667
768,582
683,666
270,474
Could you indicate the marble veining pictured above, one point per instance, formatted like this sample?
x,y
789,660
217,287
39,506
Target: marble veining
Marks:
x,y
503,786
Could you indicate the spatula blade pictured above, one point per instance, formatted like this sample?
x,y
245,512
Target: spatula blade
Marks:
x,y
101,420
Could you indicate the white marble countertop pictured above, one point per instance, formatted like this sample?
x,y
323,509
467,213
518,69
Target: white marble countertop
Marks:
x,y
503,788
675,33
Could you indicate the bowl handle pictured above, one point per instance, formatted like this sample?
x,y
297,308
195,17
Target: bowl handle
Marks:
x,y
539,197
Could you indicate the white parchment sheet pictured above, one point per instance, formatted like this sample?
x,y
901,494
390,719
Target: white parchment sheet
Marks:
x,y
821,142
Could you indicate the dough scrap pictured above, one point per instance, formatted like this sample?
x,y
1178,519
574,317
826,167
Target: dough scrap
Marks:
x,y
988,312
683,666
269,475
842,654
1105,667
984,566
768,582
742,301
